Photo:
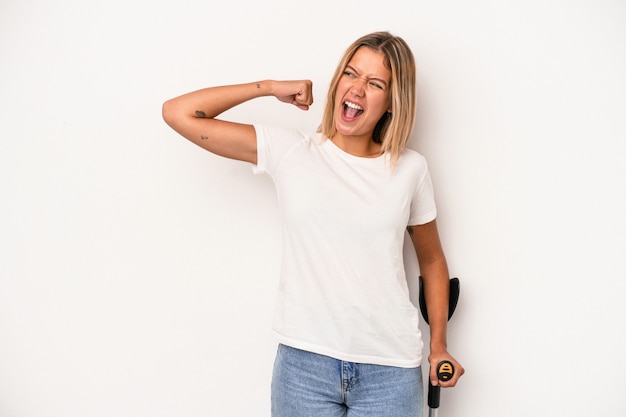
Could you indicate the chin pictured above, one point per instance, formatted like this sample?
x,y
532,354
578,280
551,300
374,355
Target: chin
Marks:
x,y
344,131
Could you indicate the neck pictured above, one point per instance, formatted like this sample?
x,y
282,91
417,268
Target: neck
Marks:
x,y
363,147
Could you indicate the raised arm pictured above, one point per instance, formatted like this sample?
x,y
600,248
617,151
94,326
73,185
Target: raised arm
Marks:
x,y
434,270
194,115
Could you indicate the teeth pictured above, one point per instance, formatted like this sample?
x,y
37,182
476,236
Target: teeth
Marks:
x,y
353,106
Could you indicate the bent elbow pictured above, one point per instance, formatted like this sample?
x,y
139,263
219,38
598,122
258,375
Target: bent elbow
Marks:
x,y
167,112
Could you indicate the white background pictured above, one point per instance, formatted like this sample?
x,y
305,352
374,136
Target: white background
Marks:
x,y
138,272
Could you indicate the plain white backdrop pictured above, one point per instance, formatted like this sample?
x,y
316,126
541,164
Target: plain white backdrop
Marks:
x,y
138,272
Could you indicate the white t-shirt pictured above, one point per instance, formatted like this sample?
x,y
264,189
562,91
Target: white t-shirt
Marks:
x,y
343,291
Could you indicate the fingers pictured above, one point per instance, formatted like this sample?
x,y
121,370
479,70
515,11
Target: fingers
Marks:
x,y
458,372
304,97
298,93
456,368
303,100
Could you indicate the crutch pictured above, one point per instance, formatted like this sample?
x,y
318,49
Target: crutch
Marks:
x,y
445,369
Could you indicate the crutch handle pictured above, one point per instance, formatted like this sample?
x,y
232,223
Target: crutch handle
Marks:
x,y
445,372
433,395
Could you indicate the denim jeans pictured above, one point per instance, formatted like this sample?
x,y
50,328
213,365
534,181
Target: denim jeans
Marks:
x,y
306,384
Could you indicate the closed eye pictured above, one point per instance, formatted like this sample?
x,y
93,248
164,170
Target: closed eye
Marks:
x,y
374,82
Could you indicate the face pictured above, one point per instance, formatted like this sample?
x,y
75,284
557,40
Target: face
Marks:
x,y
363,94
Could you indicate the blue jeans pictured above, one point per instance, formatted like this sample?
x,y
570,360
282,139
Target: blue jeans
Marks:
x,y
306,384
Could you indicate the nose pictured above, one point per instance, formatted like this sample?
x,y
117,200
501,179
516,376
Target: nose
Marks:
x,y
358,87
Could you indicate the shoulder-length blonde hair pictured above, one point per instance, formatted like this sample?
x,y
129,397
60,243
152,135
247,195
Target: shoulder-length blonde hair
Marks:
x,y
393,129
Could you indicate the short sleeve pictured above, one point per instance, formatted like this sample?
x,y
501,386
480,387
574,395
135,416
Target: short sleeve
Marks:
x,y
273,145
261,160
423,207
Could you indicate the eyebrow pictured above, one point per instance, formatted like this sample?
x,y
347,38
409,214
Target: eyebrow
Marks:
x,y
369,79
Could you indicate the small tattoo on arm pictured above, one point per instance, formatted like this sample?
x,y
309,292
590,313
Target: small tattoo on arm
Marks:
x,y
410,230
200,113
204,137
258,85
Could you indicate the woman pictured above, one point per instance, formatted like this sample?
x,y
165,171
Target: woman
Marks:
x,y
349,342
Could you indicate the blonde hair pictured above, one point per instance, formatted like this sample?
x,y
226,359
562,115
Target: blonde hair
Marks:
x,y
393,129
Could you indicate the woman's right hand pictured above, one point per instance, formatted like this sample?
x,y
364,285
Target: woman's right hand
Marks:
x,y
299,93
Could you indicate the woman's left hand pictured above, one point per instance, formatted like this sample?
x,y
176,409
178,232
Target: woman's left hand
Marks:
x,y
434,359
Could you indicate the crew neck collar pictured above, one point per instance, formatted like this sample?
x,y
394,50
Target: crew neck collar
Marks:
x,y
364,160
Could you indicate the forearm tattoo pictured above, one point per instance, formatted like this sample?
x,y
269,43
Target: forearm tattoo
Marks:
x,y
201,114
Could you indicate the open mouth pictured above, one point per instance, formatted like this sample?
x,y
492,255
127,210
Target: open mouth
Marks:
x,y
351,110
